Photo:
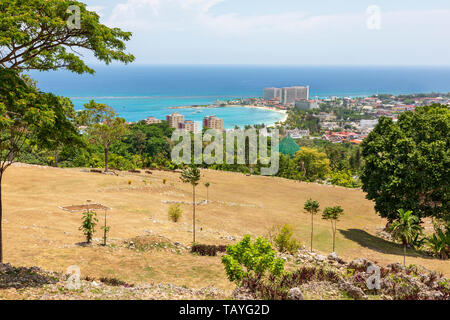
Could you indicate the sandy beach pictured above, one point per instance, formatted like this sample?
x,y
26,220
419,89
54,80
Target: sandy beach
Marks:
x,y
284,112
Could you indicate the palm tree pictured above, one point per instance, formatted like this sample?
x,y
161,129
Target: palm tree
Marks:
x,y
333,214
405,229
312,206
207,184
191,175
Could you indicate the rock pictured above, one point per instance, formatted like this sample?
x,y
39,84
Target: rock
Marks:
x,y
241,293
360,263
353,291
333,256
295,294
319,257
431,295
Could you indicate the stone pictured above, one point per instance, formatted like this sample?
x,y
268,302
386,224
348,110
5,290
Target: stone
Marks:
x,y
359,263
333,256
353,291
295,294
319,257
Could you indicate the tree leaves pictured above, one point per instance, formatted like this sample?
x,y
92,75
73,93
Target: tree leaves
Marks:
x,y
407,164
35,35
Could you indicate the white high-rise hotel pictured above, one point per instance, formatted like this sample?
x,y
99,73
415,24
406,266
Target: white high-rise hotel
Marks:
x,y
287,95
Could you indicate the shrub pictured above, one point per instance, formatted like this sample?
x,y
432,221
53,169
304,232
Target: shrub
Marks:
x,y
277,288
344,179
115,282
246,259
207,250
164,181
439,242
88,225
129,182
284,241
175,212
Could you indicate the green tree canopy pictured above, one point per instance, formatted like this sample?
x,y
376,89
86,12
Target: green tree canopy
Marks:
x,y
288,146
104,127
35,35
312,163
407,164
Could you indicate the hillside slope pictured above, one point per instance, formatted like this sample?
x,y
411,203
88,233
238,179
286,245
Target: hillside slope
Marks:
x,y
38,233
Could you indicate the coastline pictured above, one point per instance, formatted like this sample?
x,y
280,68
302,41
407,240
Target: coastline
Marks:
x,y
284,112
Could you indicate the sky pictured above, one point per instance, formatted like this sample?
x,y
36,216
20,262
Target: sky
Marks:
x,y
283,32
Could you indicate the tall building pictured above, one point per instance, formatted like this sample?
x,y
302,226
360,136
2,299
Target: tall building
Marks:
x,y
291,94
174,119
272,93
288,95
188,125
213,122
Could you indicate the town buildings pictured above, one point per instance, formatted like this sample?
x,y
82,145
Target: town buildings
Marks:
x,y
296,133
152,120
212,122
174,119
189,126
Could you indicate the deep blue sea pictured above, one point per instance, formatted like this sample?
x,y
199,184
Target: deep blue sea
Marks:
x,y
137,92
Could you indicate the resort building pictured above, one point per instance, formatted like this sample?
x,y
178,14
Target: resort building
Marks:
x,y
306,104
189,126
174,119
212,122
272,93
291,94
152,120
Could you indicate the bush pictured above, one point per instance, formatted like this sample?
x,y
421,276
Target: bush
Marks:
x,y
164,181
284,241
116,282
277,288
439,242
88,225
246,259
175,212
344,179
207,250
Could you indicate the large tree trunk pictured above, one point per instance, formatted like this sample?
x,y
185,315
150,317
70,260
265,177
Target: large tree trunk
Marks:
x,y
1,219
193,216
106,159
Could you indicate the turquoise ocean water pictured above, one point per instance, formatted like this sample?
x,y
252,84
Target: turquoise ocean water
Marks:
x,y
137,92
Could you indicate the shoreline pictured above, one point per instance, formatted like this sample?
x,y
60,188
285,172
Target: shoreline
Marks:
x,y
283,112
270,124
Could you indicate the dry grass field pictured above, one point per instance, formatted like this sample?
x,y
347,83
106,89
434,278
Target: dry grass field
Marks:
x,y
37,232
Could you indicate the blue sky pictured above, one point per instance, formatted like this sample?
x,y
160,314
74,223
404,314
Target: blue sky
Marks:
x,y
293,32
